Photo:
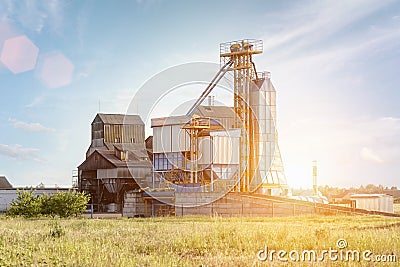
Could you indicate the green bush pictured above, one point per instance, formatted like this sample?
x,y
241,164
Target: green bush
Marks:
x,y
26,204
61,204
65,204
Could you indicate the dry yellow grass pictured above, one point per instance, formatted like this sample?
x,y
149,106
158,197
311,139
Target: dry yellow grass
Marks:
x,y
187,241
397,208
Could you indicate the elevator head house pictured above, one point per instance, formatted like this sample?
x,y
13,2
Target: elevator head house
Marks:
x,y
115,160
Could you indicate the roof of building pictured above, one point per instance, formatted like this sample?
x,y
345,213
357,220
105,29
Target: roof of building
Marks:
x,y
265,85
393,192
343,195
202,111
137,157
37,190
136,150
173,120
114,160
215,111
369,195
120,119
4,183
149,142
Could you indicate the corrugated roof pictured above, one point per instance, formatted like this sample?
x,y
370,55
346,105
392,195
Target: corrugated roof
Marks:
x,y
393,192
110,157
265,85
149,142
215,111
4,183
138,150
137,155
120,119
173,120
203,111
369,195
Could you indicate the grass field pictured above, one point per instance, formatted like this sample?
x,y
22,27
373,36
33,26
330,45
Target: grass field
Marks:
x,y
189,241
396,207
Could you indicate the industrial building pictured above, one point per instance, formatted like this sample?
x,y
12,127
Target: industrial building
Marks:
x,y
207,153
211,160
115,160
215,158
4,183
225,148
375,202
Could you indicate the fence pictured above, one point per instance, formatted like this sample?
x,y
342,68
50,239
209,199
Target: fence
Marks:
x,y
260,205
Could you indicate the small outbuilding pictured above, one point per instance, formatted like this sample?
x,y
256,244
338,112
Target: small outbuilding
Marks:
x,y
375,202
4,183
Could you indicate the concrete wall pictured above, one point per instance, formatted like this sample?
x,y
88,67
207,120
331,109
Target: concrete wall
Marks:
x,y
236,204
233,204
138,205
7,195
134,205
242,204
376,202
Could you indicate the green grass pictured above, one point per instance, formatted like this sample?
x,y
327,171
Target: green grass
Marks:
x,y
187,241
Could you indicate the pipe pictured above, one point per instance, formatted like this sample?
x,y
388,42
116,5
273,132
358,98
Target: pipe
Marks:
x,y
210,87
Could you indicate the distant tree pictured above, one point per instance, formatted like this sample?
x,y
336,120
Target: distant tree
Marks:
x,y
331,191
381,188
368,189
361,189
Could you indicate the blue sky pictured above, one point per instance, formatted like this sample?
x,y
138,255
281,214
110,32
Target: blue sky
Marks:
x,y
335,65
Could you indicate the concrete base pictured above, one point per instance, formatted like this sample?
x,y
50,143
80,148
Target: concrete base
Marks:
x,y
237,204
138,204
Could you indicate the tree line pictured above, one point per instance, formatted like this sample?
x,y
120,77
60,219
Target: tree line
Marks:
x,y
368,189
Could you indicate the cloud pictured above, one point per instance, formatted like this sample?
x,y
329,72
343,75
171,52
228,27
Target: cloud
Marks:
x,y
368,155
30,126
20,152
37,101
118,102
392,122
335,57
36,15
317,37
306,25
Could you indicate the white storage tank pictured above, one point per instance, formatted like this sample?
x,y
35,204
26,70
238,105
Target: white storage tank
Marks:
x,y
168,135
220,150
376,202
221,147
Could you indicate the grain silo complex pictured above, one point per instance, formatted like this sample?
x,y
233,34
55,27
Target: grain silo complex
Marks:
x,y
211,160
228,148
